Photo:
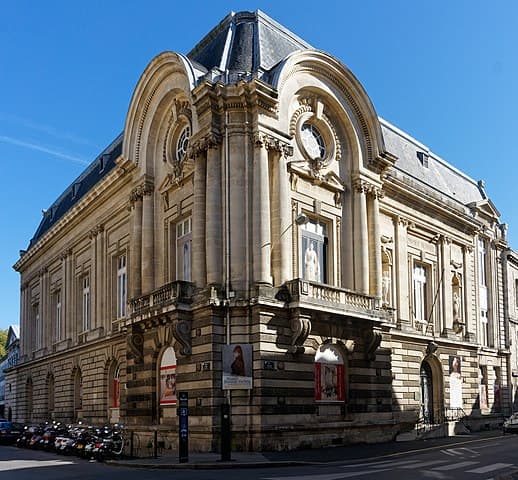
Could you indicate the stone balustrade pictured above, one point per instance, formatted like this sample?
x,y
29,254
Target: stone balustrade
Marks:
x,y
310,294
170,293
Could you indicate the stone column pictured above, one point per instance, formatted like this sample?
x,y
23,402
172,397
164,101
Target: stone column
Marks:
x,y
135,277
401,271
261,245
199,271
93,279
361,238
238,214
214,219
286,231
24,324
100,290
40,331
61,334
70,318
374,243
148,239
445,276
466,291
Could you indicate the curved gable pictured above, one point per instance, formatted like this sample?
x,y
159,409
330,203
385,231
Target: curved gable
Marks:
x,y
349,93
167,75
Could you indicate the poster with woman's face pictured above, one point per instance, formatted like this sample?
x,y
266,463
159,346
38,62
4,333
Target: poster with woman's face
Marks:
x,y
237,366
455,364
168,385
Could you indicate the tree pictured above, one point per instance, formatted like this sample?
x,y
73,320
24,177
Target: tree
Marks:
x,y
3,342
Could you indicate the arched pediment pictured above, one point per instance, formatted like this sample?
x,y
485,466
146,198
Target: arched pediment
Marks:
x,y
346,90
168,76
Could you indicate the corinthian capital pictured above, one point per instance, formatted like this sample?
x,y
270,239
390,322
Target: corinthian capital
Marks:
x,y
270,142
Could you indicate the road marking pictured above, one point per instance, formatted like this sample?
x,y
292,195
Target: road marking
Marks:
x,y
386,463
18,464
490,468
329,476
425,464
454,466
457,452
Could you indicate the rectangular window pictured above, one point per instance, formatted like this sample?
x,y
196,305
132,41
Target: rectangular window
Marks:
x,y
419,280
86,303
314,252
57,313
37,326
484,328
184,249
482,263
121,286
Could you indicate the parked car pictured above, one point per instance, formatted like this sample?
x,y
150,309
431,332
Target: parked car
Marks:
x,y
511,424
10,431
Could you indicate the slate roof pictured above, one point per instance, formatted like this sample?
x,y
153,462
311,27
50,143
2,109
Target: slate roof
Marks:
x,y
418,165
96,171
246,43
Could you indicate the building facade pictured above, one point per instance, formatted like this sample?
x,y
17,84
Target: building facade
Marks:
x,y
10,360
258,237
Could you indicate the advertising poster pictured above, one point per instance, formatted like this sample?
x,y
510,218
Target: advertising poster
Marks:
x,y
237,367
168,385
455,381
168,378
329,376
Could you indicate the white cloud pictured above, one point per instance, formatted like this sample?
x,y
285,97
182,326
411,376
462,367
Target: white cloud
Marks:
x,y
41,148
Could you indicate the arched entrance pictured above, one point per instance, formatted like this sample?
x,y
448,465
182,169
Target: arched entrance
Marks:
x,y
432,402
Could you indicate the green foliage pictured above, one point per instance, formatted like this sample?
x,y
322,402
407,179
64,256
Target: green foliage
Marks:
x,y
3,341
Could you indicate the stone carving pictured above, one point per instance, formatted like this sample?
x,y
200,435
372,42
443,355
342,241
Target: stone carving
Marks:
x,y
431,348
300,327
372,342
136,346
182,332
269,142
164,336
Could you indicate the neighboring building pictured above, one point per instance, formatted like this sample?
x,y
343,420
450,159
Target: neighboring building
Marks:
x,y
10,360
510,265
256,199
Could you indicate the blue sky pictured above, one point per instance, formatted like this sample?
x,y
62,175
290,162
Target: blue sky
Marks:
x,y
443,71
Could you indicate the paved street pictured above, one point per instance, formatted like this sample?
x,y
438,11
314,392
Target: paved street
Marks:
x,y
478,458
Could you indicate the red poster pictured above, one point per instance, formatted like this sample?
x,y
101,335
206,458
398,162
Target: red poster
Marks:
x,y
329,382
168,385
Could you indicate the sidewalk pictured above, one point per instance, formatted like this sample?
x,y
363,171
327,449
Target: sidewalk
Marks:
x,y
329,455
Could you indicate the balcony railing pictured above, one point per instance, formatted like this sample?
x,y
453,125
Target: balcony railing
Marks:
x,y
334,298
168,294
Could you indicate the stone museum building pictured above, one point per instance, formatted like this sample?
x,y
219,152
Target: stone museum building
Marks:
x,y
258,236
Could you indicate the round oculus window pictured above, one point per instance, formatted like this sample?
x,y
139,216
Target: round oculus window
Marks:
x,y
183,143
313,141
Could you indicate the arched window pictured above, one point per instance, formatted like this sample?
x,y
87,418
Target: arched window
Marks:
x,y
168,377
329,375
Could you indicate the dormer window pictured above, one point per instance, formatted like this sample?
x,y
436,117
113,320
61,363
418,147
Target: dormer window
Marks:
x,y
423,158
75,189
103,161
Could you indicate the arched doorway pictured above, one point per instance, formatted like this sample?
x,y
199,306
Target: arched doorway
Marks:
x,y
432,401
